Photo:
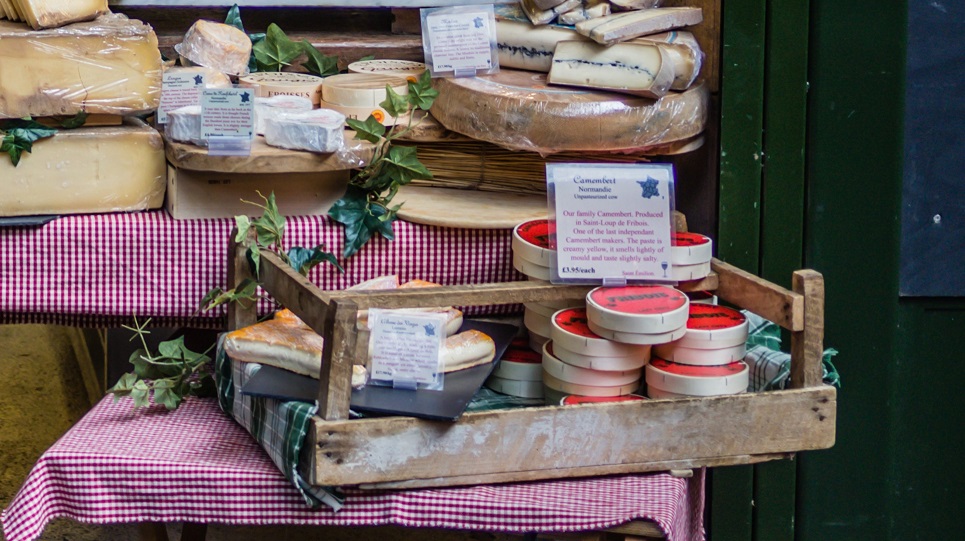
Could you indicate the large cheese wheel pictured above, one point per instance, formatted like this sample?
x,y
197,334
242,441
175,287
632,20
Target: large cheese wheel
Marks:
x,y
518,110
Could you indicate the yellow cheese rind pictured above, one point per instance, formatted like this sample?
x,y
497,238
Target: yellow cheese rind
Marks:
x,y
110,66
216,45
56,13
87,170
517,110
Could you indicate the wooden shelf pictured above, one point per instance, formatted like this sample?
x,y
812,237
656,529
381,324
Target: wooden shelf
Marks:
x,y
268,159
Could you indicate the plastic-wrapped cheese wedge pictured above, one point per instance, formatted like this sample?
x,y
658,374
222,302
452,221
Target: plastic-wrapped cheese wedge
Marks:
x,y
184,124
641,69
216,45
518,110
276,105
55,13
632,24
318,130
110,66
539,16
87,170
684,52
630,5
588,9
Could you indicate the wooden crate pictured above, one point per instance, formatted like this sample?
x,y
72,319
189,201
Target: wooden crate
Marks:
x,y
551,442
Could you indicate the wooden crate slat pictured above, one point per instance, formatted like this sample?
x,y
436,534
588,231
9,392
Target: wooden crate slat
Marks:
x,y
807,345
765,299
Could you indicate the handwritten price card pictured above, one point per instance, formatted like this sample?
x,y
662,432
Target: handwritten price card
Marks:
x,y
405,347
613,221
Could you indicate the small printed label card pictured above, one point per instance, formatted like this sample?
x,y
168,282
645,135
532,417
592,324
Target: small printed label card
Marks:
x,y
227,120
178,89
460,41
613,221
405,348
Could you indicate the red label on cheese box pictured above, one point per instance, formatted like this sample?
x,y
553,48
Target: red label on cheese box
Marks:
x,y
537,232
681,238
639,299
708,317
572,400
573,321
520,352
697,371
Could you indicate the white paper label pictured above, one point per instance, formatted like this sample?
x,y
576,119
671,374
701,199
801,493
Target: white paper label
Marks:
x,y
178,90
405,347
227,112
460,41
613,221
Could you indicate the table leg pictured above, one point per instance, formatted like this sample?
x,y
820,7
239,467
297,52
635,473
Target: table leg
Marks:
x,y
193,531
152,531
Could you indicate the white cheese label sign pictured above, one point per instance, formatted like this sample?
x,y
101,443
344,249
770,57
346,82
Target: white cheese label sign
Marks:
x,y
405,348
178,89
461,41
227,112
613,221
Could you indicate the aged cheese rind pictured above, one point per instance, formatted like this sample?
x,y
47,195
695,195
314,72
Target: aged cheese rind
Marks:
x,y
684,52
55,13
540,16
278,342
87,170
318,130
521,45
588,9
265,108
632,24
517,110
216,45
184,124
271,84
110,66
642,69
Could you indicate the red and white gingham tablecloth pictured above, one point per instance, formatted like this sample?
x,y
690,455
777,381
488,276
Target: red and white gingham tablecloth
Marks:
x,y
197,465
102,269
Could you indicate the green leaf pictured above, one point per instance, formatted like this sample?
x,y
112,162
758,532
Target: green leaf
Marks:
x,y
243,223
203,387
172,349
20,136
140,395
370,130
234,18
124,384
144,368
318,63
254,256
421,93
276,50
403,164
394,103
75,121
164,393
304,260
367,57
361,219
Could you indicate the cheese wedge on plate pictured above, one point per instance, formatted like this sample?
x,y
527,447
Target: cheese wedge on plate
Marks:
x,y
641,69
466,350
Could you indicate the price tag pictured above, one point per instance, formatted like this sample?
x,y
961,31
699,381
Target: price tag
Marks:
x,y
460,41
178,90
405,348
613,222
227,112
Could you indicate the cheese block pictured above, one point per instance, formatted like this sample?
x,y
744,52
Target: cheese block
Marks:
x,y
536,323
570,331
109,66
642,69
683,273
466,350
641,339
637,309
714,327
630,5
536,341
585,376
539,16
279,104
518,110
278,342
56,13
697,380
318,130
700,357
690,248
513,387
269,84
684,52
520,45
87,170
602,363
531,269
184,124
631,24
216,45
409,69
7,11
588,9
566,387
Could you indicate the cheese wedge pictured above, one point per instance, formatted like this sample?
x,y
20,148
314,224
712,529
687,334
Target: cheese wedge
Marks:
x,y
641,69
539,16
523,46
632,24
466,350
184,124
588,9
110,66
280,343
276,105
684,53
630,5
317,130
216,45
56,13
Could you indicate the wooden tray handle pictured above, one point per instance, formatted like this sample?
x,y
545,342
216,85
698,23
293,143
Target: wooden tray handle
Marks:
x,y
807,345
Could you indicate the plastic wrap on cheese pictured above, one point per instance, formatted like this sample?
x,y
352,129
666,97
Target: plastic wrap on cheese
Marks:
x,y
520,111
110,65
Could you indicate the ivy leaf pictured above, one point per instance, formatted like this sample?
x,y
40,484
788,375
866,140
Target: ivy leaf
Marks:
x,y
143,368
395,104
140,393
203,387
403,164
243,223
303,260
276,50
367,57
270,226
124,385
165,394
234,18
75,121
360,218
421,93
370,130
20,136
254,257
318,63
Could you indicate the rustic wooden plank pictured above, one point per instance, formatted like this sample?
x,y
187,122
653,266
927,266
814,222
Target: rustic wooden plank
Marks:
x,y
463,295
644,528
541,440
338,352
765,299
239,315
268,159
295,292
807,345
517,477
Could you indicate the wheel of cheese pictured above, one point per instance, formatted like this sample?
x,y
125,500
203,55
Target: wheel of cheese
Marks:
x,y
584,376
361,89
569,331
700,357
702,297
531,269
697,380
637,309
512,387
656,394
537,323
518,110
683,273
536,341
714,327
267,84
638,338
216,45
605,364
561,386
531,241
521,364
573,400
402,68
690,248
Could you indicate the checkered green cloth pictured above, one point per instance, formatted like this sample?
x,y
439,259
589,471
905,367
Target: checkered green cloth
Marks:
x,y
279,427
770,367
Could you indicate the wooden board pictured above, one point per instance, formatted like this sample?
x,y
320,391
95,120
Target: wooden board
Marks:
x,y
468,209
268,159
